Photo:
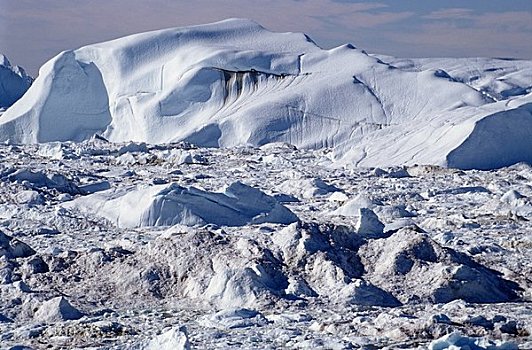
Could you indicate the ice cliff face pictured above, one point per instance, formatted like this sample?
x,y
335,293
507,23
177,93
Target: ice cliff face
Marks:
x,y
234,83
14,82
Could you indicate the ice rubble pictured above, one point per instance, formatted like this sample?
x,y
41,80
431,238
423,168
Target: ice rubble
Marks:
x,y
173,339
457,341
306,188
167,205
384,261
11,248
297,262
39,180
14,82
234,318
441,274
235,83
57,309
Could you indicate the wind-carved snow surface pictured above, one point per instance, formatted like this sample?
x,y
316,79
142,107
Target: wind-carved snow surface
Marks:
x,y
235,83
14,82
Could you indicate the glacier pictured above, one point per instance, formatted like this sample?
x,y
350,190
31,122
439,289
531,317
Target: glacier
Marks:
x,y
235,83
14,82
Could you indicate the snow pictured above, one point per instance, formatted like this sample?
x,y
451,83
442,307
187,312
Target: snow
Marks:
x,y
234,318
167,205
223,186
369,224
57,309
39,180
235,83
173,339
417,257
306,188
457,341
14,82
498,78
446,275
13,248
352,206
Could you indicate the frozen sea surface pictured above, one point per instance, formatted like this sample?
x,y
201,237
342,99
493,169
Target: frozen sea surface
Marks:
x,y
317,257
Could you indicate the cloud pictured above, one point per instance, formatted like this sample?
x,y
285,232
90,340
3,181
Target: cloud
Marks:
x,y
507,20
450,13
461,32
510,20
355,20
490,35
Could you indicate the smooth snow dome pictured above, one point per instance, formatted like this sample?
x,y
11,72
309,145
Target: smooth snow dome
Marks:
x,y
14,82
167,205
235,83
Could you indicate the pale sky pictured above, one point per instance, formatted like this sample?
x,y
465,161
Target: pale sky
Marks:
x,y
33,31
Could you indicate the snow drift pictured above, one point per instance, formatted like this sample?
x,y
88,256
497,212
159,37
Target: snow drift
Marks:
x,y
14,82
234,83
167,205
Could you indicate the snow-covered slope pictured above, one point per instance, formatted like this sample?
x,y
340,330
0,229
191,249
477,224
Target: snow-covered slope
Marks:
x,y
233,83
500,78
14,82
